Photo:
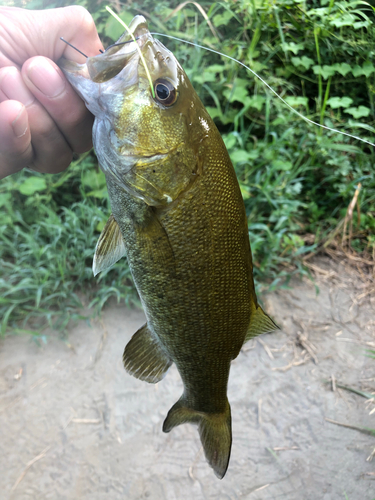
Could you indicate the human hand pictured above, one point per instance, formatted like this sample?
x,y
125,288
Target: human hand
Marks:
x,y
42,119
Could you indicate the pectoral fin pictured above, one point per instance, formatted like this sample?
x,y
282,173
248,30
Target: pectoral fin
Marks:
x,y
144,358
260,323
153,238
110,247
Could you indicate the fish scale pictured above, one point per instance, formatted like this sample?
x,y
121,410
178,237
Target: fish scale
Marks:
x,y
178,215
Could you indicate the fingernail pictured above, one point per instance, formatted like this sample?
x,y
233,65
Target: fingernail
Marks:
x,y
45,77
20,123
13,86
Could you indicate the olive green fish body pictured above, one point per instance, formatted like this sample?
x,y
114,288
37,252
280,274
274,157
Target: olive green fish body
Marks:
x,y
178,215
191,263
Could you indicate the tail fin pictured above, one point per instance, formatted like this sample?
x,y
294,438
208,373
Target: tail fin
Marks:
x,y
215,431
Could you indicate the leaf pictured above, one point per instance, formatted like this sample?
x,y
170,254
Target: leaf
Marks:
x,y
282,165
365,430
255,101
296,100
245,191
216,68
230,141
339,102
31,185
221,19
359,112
93,179
345,20
325,71
205,77
365,126
293,47
361,24
228,117
368,68
318,12
367,395
242,156
257,66
357,70
5,220
113,29
237,91
4,198
236,94
99,193
304,61
100,225
342,68
214,112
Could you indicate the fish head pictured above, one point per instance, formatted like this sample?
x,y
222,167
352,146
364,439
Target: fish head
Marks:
x,y
147,134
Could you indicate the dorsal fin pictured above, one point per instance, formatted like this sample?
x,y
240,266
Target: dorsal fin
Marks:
x,y
110,247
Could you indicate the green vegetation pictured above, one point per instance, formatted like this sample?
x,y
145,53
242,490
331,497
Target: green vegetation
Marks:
x,y
297,180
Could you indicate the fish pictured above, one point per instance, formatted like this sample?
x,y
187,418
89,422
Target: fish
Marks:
x,y
179,217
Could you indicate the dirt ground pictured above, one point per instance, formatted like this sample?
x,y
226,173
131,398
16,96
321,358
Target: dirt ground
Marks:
x,y
75,425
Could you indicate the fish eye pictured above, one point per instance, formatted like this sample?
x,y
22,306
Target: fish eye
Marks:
x,y
165,92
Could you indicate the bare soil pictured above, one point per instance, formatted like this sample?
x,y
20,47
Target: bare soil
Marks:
x,y
75,425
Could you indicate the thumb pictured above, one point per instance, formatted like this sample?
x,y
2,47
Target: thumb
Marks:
x,y
31,33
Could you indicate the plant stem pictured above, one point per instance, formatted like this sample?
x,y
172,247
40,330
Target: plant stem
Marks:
x,y
316,29
326,95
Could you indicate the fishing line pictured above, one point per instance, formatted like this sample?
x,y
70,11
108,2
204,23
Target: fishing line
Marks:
x,y
269,87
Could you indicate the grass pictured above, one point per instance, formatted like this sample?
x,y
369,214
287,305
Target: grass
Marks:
x,y
46,259
297,181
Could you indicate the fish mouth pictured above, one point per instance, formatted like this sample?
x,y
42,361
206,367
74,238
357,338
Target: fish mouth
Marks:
x,y
111,62
122,57
106,66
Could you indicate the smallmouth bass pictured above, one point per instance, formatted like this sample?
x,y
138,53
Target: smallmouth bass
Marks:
x,y
178,216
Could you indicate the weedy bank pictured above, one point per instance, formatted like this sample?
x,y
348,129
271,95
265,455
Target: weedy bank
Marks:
x,y
297,180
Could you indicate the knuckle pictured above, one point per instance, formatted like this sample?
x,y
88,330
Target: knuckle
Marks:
x,y
83,146
46,133
23,156
17,158
63,163
53,153
53,162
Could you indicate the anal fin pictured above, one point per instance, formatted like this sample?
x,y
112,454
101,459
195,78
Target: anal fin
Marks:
x,y
260,323
110,247
144,358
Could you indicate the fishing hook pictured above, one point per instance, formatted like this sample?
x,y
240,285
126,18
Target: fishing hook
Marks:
x,y
75,48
